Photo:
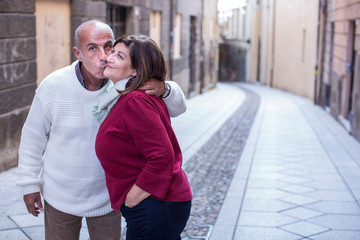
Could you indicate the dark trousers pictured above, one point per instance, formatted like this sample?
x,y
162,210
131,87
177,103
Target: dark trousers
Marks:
x,y
154,219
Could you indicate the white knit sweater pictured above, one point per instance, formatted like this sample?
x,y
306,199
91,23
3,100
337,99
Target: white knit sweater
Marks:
x,y
57,148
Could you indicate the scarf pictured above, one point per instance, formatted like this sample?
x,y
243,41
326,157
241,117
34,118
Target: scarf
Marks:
x,y
107,99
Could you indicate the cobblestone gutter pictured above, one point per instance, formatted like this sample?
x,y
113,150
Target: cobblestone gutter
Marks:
x,y
211,169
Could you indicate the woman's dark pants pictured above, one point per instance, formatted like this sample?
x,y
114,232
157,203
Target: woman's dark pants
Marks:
x,y
154,219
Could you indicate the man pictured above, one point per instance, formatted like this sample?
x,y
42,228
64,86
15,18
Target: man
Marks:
x,y
57,144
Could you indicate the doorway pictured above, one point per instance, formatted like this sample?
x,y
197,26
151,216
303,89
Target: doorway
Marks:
x,y
192,56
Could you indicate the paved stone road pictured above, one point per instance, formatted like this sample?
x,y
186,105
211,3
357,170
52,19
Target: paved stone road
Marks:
x,y
211,169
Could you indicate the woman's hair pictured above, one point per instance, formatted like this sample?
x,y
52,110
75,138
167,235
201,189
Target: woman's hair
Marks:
x,y
146,58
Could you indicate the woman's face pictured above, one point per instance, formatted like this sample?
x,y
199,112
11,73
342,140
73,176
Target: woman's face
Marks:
x,y
119,64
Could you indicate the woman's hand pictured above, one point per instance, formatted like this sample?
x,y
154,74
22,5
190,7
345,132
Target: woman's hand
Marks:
x,y
135,196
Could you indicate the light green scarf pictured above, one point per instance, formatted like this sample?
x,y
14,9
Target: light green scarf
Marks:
x,y
107,99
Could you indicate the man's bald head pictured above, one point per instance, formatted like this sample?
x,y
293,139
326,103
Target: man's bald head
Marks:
x,y
91,24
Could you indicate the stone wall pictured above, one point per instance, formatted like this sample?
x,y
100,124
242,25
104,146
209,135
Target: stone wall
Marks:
x,y
17,74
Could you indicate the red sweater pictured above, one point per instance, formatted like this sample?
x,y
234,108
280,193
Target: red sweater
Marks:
x,y
137,145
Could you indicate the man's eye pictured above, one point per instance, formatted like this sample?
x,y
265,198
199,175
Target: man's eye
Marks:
x,y
92,48
120,56
112,51
108,47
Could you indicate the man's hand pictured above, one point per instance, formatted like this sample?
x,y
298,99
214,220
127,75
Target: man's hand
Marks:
x,y
33,203
153,87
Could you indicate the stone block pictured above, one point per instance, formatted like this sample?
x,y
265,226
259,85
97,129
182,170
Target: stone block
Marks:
x,y
17,49
340,39
10,129
17,25
357,42
16,98
353,11
89,9
3,133
341,27
17,119
8,159
17,73
355,126
17,6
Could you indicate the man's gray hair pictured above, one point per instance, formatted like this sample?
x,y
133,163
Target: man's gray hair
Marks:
x,y
79,28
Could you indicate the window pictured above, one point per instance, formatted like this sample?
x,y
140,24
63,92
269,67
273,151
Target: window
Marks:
x,y
303,45
211,27
204,30
177,36
155,27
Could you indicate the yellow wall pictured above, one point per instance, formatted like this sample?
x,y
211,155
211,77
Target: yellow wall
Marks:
x,y
53,40
295,46
288,32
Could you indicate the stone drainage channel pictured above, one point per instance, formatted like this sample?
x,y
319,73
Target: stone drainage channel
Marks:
x,y
211,169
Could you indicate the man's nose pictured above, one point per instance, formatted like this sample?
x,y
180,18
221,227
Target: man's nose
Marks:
x,y
103,54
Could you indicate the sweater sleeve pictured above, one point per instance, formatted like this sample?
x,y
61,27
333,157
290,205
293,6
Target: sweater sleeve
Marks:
x,y
176,101
144,124
34,137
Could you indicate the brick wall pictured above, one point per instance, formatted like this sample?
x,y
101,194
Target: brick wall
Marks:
x,y
17,74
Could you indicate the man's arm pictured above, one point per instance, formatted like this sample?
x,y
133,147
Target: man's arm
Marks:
x,y
32,145
175,100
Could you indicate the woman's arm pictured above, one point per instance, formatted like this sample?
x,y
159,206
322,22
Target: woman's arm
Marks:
x,y
135,196
145,119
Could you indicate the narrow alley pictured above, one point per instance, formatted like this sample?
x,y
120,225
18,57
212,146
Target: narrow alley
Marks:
x,y
263,164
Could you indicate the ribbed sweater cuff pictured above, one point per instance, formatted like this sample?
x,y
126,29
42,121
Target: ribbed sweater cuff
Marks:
x,y
30,189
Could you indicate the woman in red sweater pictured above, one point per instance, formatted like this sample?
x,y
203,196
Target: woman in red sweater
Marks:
x,y
138,149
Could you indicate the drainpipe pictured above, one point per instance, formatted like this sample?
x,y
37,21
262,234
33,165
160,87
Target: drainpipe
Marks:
x,y
317,53
273,45
202,72
322,11
171,38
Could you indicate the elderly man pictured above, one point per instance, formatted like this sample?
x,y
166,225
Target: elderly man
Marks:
x,y
57,152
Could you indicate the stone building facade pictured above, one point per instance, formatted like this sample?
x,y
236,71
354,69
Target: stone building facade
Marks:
x,y
17,73
36,38
338,85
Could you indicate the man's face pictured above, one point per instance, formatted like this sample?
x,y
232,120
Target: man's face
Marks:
x,y
95,43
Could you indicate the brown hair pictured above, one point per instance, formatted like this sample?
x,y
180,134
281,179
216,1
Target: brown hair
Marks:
x,y
146,58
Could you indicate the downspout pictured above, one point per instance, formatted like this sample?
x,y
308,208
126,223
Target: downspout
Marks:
x,y
201,49
273,45
322,53
171,38
316,100
317,53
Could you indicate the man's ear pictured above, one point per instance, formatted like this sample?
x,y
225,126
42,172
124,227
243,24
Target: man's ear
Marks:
x,y
77,53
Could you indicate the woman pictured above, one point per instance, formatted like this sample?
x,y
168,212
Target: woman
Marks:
x,y
144,177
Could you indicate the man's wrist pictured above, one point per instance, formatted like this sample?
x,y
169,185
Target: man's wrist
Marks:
x,y
167,90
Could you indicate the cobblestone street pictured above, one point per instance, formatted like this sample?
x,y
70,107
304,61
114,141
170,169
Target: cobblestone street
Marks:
x,y
263,165
211,169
